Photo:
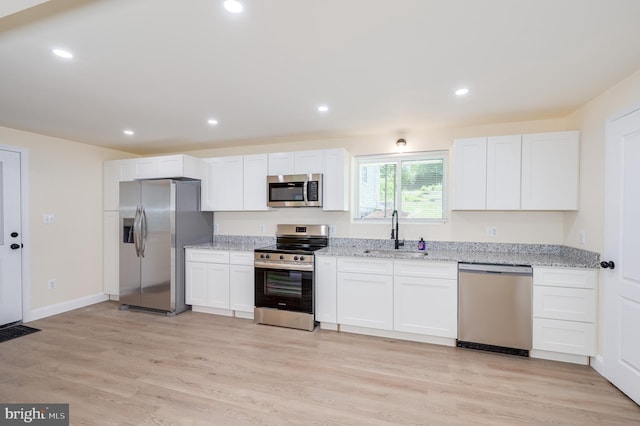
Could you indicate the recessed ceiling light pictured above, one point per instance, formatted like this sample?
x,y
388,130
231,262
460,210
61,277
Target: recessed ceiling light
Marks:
x,y
62,53
233,6
212,121
323,108
462,91
128,132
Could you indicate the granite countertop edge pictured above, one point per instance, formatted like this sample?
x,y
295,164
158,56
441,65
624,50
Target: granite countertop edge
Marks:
x,y
222,246
532,259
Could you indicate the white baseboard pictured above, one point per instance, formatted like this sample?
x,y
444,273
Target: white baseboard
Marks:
x,y
556,356
597,363
436,340
58,308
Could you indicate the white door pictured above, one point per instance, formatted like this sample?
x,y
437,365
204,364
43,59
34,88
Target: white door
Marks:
x,y
10,239
622,246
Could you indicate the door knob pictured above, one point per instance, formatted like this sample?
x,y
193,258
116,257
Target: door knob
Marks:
x,y
15,246
14,235
608,264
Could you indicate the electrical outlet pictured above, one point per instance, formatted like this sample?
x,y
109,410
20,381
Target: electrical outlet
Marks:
x,y
492,231
583,237
48,218
332,230
261,228
51,284
216,227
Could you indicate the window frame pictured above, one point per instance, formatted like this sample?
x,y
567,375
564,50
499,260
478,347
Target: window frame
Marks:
x,y
398,159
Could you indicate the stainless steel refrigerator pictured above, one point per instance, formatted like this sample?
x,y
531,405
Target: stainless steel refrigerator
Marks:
x,y
157,219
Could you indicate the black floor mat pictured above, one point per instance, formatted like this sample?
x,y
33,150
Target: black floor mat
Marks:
x,y
15,331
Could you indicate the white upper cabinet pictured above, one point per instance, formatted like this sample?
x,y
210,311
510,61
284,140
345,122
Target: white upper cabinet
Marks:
x,y
470,174
255,182
222,188
336,180
306,162
550,163
295,163
516,172
281,163
168,166
503,172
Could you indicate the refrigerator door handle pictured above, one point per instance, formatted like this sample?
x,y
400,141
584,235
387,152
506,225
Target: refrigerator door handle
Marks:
x,y
143,230
136,231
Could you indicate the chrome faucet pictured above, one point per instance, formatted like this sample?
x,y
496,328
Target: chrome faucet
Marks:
x,y
394,230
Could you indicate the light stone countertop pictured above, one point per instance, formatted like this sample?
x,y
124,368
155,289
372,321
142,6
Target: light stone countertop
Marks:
x,y
441,251
501,258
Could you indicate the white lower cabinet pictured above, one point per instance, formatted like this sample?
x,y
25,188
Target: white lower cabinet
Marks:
x,y
365,300
111,253
425,298
326,289
219,281
564,312
241,279
401,296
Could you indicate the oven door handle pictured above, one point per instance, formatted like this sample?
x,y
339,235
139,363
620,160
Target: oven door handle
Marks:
x,y
283,266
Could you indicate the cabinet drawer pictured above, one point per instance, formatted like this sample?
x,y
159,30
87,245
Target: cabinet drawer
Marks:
x,y
569,337
573,304
565,277
365,266
208,256
419,268
241,257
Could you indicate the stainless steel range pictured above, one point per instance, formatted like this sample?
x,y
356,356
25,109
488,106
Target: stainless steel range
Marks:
x,y
284,276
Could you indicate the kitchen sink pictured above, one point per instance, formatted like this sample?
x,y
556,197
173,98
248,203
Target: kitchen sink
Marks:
x,y
397,253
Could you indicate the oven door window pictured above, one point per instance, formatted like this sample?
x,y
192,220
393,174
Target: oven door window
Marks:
x,y
284,289
283,283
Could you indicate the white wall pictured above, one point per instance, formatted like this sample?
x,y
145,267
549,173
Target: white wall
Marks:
x,y
65,178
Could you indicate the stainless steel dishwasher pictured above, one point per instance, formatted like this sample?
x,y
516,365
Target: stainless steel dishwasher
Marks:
x,y
494,307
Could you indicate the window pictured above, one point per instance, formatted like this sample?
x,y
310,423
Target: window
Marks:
x,y
413,184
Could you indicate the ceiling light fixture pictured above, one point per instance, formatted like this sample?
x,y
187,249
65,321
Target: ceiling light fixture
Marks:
x,y
233,6
212,121
323,108
62,53
462,91
129,132
401,145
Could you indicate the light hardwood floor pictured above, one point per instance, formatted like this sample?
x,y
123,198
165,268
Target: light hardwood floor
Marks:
x,y
134,368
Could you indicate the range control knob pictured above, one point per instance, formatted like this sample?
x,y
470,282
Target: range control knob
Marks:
x,y
295,257
281,257
268,257
262,256
301,257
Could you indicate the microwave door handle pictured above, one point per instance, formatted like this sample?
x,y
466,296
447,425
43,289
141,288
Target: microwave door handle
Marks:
x,y
304,192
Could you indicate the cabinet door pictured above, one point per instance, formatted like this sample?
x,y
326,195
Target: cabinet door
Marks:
x,y
308,162
570,337
469,174
196,284
426,306
326,289
281,163
336,180
169,166
503,172
550,171
223,186
218,283
241,288
111,254
115,172
365,300
145,168
256,168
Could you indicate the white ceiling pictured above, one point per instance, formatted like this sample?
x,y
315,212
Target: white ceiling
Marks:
x,y
163,67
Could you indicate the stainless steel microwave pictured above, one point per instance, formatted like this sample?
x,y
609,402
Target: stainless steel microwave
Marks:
x,y
294,190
